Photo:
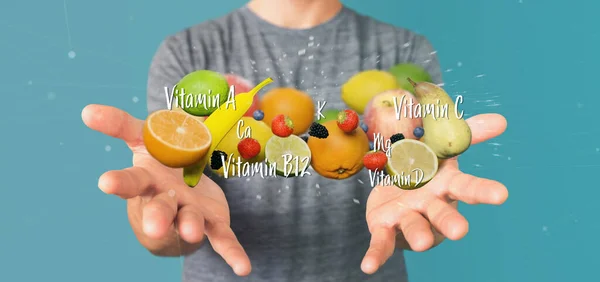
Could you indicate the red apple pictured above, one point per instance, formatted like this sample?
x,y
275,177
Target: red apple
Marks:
x,y
242,85
380,114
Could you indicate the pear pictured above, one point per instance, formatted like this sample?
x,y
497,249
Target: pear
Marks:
x,y
448,136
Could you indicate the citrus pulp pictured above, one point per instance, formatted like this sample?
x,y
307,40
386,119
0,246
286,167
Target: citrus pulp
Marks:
x,y
290,155
411,164
176,139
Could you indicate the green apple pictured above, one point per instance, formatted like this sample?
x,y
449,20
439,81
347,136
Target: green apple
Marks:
x,y
404,71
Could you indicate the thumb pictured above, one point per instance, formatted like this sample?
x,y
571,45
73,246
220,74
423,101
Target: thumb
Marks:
x,y
113,122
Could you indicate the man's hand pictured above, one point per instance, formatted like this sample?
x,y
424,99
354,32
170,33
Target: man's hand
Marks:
x,y
168,217
413,218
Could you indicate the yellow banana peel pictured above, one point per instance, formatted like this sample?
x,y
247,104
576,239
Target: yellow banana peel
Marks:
x,y
219,123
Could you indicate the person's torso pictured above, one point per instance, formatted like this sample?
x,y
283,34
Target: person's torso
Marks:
x,y
306,228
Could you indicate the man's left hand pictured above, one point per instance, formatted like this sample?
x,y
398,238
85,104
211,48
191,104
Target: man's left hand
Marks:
x,y
419,219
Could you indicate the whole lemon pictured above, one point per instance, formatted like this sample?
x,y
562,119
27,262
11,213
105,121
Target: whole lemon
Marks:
x,y
246,127
359,89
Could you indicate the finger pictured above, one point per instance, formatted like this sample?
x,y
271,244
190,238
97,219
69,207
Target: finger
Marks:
x,y
126,183
113,122
158,215
190,224
446,219
225,243
476,190
486,126
383,242
416,231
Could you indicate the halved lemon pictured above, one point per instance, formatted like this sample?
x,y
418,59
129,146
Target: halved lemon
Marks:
x,y
411,164
175,138
290,155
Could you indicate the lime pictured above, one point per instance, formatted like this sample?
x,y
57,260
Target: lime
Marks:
x,y
330,114
411,164
404,71
201,92
290,155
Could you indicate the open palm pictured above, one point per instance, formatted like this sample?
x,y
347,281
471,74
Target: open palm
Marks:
x,y
162,209
413,218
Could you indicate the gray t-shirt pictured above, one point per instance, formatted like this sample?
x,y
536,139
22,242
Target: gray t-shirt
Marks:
x,y
297,229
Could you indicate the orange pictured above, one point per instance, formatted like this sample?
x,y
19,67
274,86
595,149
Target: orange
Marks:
x,y
178,109
339,155
293,103
176,139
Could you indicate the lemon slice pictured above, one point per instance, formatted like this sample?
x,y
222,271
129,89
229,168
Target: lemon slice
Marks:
x,y
290,155
411,164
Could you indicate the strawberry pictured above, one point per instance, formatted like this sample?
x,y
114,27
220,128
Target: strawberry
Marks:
x,y
347,120
248,148
375,160
282,126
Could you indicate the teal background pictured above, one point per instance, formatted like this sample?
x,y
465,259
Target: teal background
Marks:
x,y
533,61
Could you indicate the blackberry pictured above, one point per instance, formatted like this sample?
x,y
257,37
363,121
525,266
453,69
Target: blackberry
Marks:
x,y
396,137
216,159
318,130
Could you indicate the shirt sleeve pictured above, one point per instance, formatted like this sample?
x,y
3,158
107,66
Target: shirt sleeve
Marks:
x,y
170,64
425,55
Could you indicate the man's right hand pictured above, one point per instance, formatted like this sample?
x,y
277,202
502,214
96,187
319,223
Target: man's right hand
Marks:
x,y
168,217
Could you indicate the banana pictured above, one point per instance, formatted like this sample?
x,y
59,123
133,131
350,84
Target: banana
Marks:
x,y
219,123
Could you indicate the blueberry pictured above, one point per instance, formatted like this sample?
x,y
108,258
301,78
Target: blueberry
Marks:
x,y
371,146
258,115
364,127
419,132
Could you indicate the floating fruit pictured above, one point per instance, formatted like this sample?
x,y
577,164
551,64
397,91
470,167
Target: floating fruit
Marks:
x,y
290,155
447,136
375,161
282,126
247,128
340,154
359,89
204,91
412,164
218,159
293,103
404,71
219,123
396,137
348,120
418,132
175,139
318,130
258,115
242,85
381,115
248,148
